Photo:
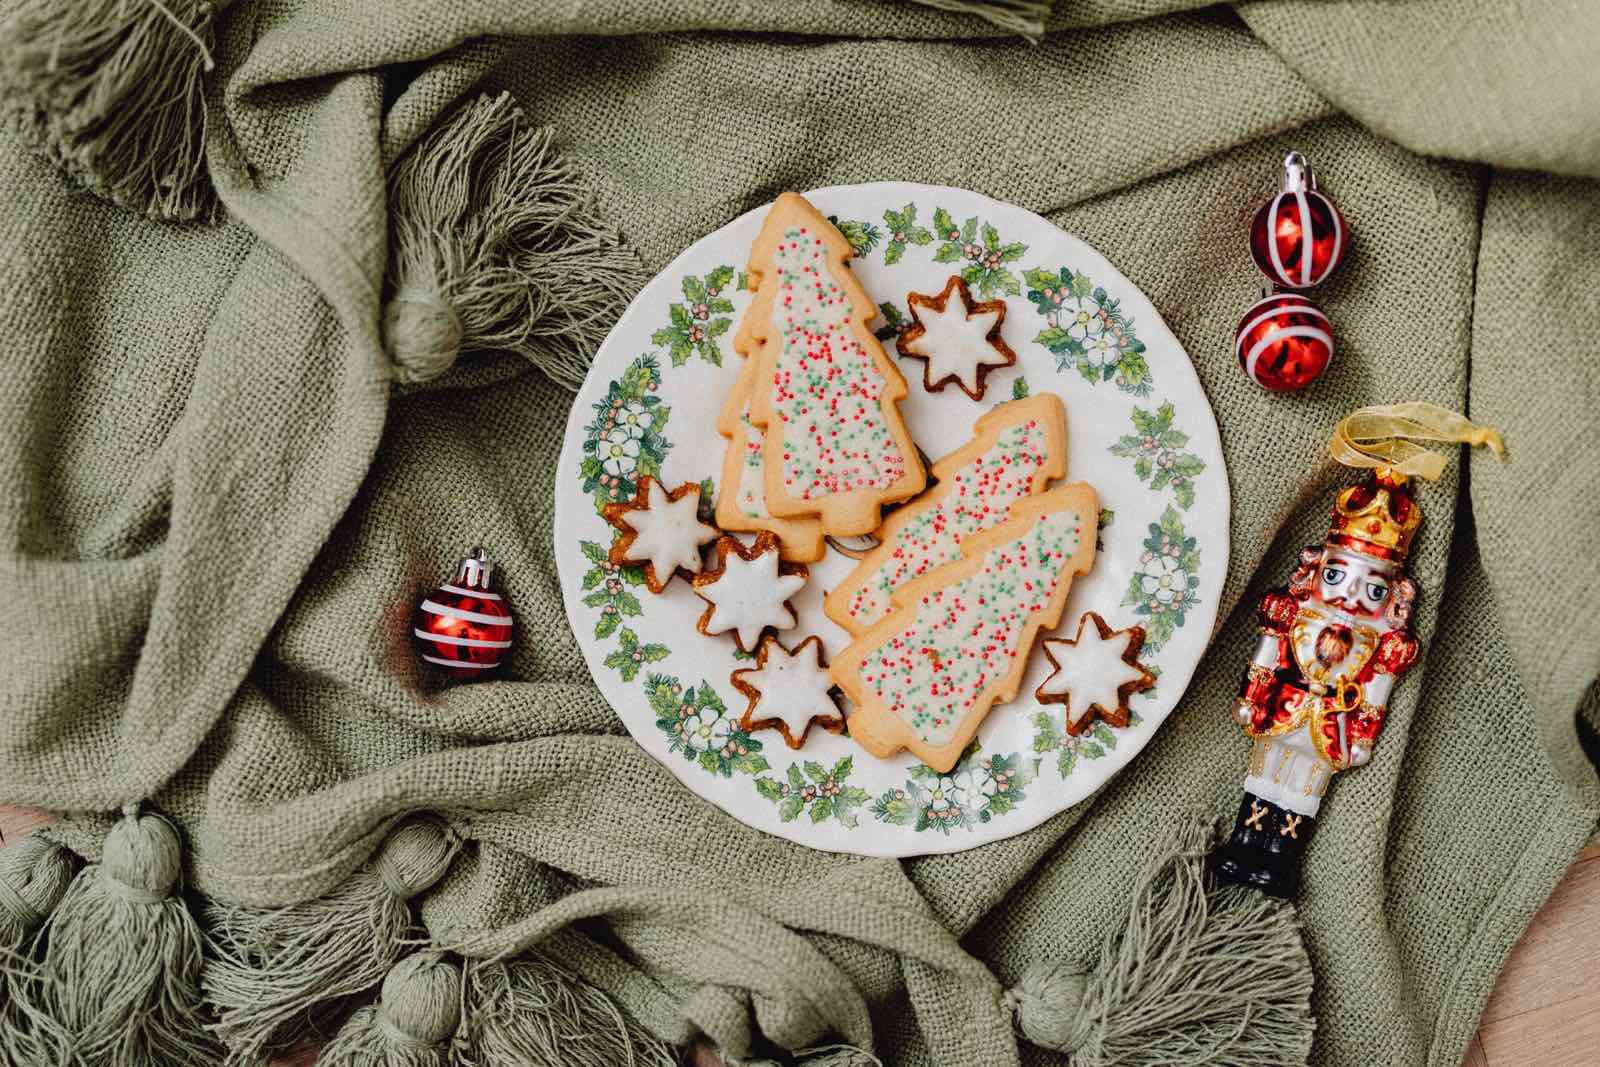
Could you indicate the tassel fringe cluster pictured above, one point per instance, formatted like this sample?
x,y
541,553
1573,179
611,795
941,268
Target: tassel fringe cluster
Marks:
x,y
109,967
1198,975
532,1011
112,92
412,1024
276,974
34,876
1025,18
117,980
495,246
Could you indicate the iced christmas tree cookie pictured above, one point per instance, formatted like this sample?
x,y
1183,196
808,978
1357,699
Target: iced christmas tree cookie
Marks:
x,y
1016,449
958,639
958,340
742,490
825,394
1095,673
789,691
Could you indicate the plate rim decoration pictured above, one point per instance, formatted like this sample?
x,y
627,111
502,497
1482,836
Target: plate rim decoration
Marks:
x,y
1079,328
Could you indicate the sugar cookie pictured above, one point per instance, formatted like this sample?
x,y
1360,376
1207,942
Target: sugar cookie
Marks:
x,y
958,639
788,690
742,490
749,589
1016,449
958,340
1095,673
661,530
825,393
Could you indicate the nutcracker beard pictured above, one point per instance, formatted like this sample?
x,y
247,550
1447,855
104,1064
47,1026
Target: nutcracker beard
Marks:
x,y
1333,645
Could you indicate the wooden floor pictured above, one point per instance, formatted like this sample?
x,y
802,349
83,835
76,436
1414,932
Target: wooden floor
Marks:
x,y
1545,1010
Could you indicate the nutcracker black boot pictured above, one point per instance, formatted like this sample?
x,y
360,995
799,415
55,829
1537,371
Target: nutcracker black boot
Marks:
x,y
1284,845
1244,858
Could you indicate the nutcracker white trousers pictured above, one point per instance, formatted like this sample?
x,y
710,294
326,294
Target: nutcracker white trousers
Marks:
x,y
1289,771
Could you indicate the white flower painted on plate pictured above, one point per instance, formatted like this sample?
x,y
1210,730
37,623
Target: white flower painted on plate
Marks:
x,y
635,419
1085,325
619,452
704,730
1101,349
1164,580
947,793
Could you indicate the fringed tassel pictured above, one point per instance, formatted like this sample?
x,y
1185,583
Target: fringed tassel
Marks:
x,y
121,973
495,246
1198,977
273,972
34,876
412,1024
112,91
1025,18
836,1056
529,1012
822,1056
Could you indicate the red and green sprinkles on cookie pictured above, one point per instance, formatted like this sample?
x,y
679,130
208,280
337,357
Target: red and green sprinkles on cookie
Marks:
x,y
983,492
965,636
826,388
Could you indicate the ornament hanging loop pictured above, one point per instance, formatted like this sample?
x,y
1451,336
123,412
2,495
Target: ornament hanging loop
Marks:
x,y
1385,437
1297,174
477,570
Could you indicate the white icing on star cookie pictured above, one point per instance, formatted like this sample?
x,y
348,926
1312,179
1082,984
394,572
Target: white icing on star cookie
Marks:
x,y
661,530
959,339
788,691
748,590
1095,673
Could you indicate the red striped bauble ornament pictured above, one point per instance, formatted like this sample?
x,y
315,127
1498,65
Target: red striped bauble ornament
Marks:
x,y
1298,236
464,627
1284,342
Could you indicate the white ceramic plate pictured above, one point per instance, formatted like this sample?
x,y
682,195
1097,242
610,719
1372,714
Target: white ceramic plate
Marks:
x,y
1139,429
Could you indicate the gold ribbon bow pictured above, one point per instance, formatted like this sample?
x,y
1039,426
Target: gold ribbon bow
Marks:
x,y
1386,436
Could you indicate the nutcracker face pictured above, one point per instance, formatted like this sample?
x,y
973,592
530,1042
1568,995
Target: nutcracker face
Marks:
x,y
1355,583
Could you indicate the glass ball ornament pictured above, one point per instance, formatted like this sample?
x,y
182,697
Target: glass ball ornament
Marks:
x,y
1284,342
1298,237
463,627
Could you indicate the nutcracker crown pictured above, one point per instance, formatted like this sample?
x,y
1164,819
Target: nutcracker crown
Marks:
x,y
1379,517
476,571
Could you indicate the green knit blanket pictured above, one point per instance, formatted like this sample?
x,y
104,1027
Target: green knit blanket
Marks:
x,y
224,493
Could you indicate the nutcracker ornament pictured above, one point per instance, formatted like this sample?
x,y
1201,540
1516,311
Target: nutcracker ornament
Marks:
x,y
464,627
1334,642
1284,342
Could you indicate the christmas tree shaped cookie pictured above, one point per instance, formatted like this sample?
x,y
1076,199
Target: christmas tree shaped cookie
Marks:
x,y
1016,449
824,392
742,490
958,639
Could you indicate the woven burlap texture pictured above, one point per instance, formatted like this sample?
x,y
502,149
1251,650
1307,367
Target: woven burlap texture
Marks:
x,y
221,512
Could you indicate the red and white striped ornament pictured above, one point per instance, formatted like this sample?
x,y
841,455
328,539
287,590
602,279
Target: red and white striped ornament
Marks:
x,y
464,627
1298,236
1284,342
